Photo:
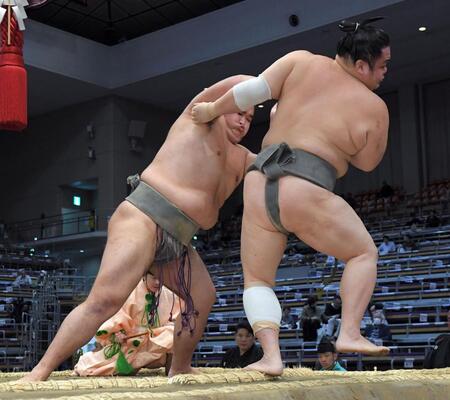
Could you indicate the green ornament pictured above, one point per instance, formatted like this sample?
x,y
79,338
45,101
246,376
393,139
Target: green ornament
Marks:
x,y
111,350
123,367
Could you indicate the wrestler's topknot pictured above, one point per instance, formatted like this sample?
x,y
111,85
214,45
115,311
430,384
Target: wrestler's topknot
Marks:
x,y
362,41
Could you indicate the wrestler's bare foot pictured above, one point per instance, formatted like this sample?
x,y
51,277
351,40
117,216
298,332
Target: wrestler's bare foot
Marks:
x,y
270,366
361,345
34,376
185,371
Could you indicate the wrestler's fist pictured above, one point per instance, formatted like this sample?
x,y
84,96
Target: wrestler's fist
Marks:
x,y
203,112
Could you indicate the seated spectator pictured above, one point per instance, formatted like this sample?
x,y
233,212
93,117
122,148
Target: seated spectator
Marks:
x,y
330,261
433,221
407,245
376,310
246,350
439,356
378,330
333,308
17,309
310,319
136,336
385,191
287,319
414,222
22,280
42,277
445,199
387,246
332,316
327,355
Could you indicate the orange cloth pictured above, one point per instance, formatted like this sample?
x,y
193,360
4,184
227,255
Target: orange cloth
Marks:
x,y
149,349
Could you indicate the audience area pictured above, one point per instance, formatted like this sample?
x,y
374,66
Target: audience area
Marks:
x,y
36,293
412,288
409,308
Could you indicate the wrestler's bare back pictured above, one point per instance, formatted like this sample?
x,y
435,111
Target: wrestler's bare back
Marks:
x,y
326,111
197,168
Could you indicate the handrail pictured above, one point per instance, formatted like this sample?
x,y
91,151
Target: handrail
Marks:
x,y
82,221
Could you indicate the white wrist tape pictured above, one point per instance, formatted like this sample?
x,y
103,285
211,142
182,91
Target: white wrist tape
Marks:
x,y
261,305
251,92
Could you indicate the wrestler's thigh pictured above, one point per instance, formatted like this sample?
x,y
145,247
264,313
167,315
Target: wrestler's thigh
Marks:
x,y
201,285
323,220
262,246
128,253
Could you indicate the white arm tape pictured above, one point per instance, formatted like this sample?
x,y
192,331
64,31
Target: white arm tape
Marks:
x,y
251,92
261,304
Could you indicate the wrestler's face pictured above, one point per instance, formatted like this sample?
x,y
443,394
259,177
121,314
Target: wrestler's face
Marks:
x,y
238,125
372,77
327,359
244,339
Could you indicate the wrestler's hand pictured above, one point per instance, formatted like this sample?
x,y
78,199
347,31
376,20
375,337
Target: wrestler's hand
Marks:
x,y
203,112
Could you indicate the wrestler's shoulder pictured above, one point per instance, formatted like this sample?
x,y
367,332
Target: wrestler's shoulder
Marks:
x,y
241,147
304,58
184,121
300,55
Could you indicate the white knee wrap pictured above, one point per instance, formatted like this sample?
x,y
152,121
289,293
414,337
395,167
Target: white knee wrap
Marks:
x,y
251,92
262,307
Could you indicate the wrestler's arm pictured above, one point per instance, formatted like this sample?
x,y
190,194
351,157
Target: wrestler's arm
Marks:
x,y
372,153
250,159
245,161
274,77
215,91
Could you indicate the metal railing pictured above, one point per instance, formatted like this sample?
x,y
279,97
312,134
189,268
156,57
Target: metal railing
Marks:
x,y
53,226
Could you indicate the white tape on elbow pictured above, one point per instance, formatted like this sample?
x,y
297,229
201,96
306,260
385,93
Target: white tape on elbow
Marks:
x,y
261,305
251,92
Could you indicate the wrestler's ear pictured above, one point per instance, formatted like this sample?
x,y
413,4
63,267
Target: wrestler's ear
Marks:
x,y
361,67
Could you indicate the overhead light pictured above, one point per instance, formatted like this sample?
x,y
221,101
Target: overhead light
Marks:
x,y
422,28
81,251
261,106
35,238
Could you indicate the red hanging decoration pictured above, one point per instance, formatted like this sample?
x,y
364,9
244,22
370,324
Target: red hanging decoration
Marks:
x,y
13,76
